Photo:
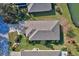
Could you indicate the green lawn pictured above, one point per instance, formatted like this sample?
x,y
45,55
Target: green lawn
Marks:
x,y
24,44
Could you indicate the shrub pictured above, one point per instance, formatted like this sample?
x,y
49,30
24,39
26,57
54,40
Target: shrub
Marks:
x,y
13,48
32,42
59,10
73,42
10,43
18,39
69,41
69,53
64,48
43,42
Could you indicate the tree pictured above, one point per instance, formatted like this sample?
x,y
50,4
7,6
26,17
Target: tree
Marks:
x,y
59,10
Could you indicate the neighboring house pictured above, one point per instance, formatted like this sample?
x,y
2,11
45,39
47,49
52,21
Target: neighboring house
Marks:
x,y
13,53
37,53
21,5
41,53
43,30
39,7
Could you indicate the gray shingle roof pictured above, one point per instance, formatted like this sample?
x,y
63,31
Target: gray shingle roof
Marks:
x,y
39,7
43,30
41,53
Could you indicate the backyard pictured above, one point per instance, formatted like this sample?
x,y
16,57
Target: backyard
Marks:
x,y
25,44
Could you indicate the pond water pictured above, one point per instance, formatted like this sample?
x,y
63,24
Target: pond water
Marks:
x,y
74,12
3,26
4,47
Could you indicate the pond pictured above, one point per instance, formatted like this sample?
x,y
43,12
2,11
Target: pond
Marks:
x,y
4,47
3,26
74,11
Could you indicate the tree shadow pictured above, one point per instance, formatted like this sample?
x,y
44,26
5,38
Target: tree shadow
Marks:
x,y
45,13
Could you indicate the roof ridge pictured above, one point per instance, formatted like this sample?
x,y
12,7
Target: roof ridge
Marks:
x,y
30,32
55,25
33,34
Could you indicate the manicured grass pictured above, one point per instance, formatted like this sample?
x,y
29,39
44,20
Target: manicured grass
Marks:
x,y
24,44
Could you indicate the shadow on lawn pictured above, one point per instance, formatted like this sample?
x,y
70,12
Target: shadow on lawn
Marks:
x,y
46,13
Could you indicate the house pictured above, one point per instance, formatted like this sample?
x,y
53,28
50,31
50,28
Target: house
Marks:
x,y
39,7
43,30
